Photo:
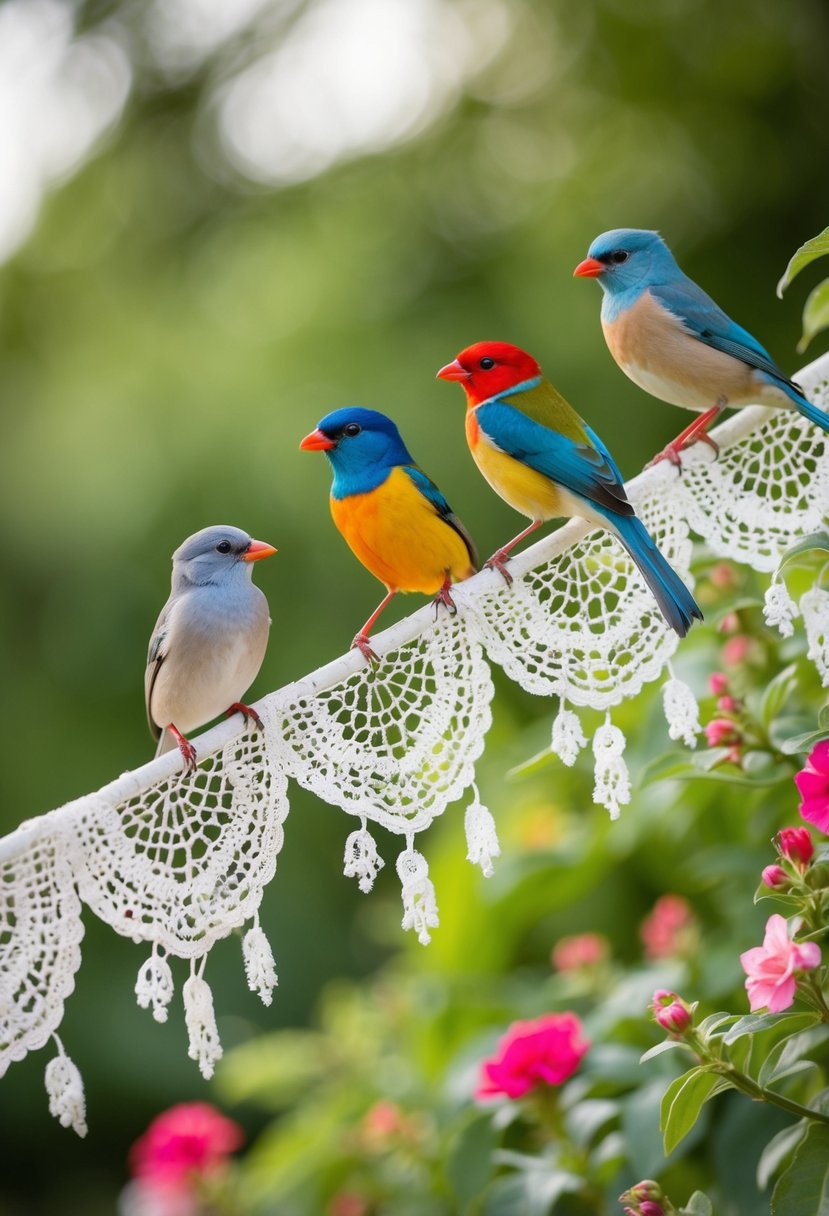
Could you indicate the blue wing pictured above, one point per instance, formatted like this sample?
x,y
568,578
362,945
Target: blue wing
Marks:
x,y
433,495
707,321
587,470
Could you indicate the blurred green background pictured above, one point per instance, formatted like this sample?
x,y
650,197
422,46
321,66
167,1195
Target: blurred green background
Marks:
x,y
222,221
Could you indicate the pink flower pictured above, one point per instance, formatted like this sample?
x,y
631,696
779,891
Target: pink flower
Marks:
x,y
770,968
720,731
723,576
796,845
184,1143
670,1012
669,929
736,650
580,950
544,1052
813,784
775,877
718,683
727,705
347,1203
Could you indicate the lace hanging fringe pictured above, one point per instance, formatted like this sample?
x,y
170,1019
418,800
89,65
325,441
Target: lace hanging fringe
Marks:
x,y
568,738
681,710
200,1020
420,911
814,604
779,609
154,985
260,968
362,861
481,836
64,1085
612,780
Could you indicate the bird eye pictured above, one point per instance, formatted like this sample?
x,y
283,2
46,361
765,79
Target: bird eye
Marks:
x,y
352,429
487,363
619,255
223,546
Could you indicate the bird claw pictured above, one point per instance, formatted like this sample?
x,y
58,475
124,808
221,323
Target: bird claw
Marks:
x,y
250,714
498,562
444,597
361,643
671,451
188,752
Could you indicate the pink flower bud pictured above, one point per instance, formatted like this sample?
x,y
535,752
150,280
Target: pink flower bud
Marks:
x,y
796,845
723,576
651,1208
735,755
580,951
670,1012
727,705
718,683
736,650
646,1198
730,623
720,731
775,877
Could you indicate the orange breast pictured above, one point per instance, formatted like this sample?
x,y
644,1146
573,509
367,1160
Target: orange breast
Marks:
x,y
397,535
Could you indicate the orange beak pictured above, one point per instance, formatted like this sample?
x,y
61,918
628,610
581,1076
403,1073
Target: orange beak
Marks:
x,y
454,371
590,268
317,441
257,549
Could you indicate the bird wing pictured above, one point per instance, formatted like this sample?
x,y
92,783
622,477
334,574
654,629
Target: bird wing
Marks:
x,y
435,498
707,322
159,646
582,466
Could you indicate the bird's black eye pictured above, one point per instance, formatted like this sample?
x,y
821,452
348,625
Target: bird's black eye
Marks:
x,y
487,363
223,546
352,429
619,255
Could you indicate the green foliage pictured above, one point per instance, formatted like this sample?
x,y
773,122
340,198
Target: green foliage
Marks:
x,y
816,308
803,1188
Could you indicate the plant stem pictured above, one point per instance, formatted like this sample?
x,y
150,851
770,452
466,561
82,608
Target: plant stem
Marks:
x,y
745,1084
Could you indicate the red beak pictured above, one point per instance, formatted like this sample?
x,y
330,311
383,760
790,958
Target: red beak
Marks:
x,y
257,549
317,441
590,268
454,371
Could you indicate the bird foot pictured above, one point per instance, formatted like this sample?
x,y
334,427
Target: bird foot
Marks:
x,y
498,562
188,752
250,714
671,451
361,643
444,597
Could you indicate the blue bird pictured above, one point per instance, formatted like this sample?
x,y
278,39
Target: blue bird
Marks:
x,y
393,517
543,459
672,340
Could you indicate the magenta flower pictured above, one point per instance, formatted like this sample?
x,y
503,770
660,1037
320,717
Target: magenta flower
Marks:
x,y
718,683
813,784
796,845
579,951
775,877
720,731
670,1012
669,928
544,1052
770,968
184,1143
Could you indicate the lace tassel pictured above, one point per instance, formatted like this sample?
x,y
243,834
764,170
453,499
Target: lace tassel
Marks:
x,y
154,985
260,969
200,1019
420,910
814,605
362,861
481,837
64,1086
612,780
568,737
681,710
780,609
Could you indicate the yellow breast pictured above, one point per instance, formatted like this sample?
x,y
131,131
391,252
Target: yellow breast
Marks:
x,y
529,492
397,535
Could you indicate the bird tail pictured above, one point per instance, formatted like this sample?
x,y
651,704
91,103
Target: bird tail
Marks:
x,y
165,743
675,601
813,413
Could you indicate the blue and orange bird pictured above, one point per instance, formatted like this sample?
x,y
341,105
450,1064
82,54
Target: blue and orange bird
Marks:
x,y
542,458
672,340
393,517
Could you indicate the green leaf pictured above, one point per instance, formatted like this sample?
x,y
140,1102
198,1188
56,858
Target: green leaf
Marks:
x,y
814,248
777,693
586,1118
668,1045
470,1163
803,1188
698,1205
532,1192
815,314
786,1056
714,1021
777,1150
534,764
815,542
757,1023
802,743
823,717
684,1099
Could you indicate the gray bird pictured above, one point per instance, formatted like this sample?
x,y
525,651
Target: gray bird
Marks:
x,y
209,641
